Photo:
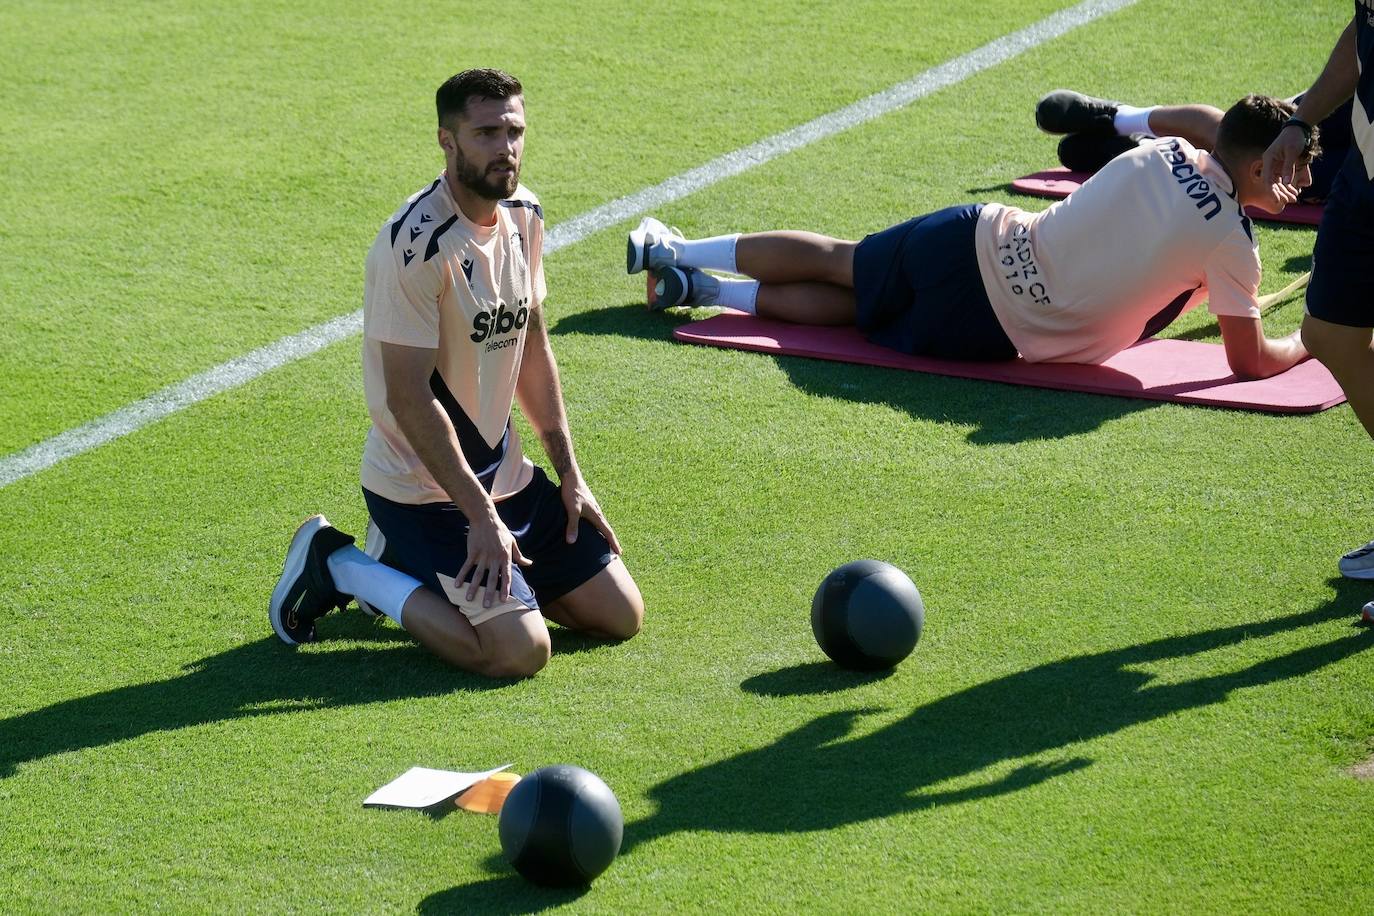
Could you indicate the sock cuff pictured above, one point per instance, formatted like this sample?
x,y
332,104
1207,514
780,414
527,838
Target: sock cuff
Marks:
x,y
1131,120
714,253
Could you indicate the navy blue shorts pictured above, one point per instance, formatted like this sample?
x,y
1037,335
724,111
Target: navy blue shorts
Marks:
x,y
918,289
428,540
1342,287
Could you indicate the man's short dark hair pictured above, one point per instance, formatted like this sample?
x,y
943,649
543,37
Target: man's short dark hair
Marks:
x,y
452,98
1250,125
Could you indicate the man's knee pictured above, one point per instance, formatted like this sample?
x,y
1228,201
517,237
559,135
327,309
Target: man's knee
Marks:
x,y
522,657
1335,344
624,618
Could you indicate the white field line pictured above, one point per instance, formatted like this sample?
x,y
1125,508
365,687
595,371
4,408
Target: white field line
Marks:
x,y
235,372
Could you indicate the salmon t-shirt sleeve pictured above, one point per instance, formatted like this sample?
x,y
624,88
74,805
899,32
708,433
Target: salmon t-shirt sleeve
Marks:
x,y
1233,277
405,304
538,287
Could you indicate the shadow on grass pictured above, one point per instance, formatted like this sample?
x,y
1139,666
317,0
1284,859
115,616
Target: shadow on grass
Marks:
x,y
510,895
998,413
260,678
1298,263
1003,188
818,777
810,679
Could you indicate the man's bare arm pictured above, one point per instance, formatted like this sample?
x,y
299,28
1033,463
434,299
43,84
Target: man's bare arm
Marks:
x,y
1334,85
541,396
1251,355
428,429
541,399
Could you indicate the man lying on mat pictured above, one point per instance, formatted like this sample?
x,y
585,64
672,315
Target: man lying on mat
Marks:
x,y
1076,283
1096,131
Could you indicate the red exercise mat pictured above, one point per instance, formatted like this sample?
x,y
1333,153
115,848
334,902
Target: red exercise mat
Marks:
x,y
1182,371
1059,183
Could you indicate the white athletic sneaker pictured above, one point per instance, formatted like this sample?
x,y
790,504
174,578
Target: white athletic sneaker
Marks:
x,y
672,286
1359,563
374,545
652,245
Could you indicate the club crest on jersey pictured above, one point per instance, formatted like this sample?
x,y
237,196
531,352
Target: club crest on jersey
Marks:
x,y
499,320
1194,185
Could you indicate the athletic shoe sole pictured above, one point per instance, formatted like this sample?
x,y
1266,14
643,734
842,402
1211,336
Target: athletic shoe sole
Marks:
x,y
668,287
296,555
635,245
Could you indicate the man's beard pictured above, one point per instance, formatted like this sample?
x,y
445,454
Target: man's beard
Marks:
x,y
484,186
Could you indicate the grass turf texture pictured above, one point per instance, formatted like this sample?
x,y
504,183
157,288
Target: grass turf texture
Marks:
x,y
1139,687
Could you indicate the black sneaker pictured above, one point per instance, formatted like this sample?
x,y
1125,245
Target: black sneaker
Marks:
x,y
1064,111
1088,153
305,592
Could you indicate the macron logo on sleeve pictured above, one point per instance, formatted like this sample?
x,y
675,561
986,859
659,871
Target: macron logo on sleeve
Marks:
x,y
1189,178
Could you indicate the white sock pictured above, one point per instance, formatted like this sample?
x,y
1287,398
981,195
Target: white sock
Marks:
x,y
1131,120
357,574
715,253
738,294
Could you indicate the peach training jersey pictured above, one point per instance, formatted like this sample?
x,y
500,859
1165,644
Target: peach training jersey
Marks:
x,y
1080,281
436,280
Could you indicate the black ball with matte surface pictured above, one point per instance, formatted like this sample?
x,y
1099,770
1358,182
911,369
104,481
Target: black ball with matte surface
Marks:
x,y
561,826
867,615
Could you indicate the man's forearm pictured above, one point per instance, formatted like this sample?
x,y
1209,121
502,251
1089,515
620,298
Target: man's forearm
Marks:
x,y
541,397
1273,355
430,433
1335,84
558,446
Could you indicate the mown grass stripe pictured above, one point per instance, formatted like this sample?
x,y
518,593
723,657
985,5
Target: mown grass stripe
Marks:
x,y
240,370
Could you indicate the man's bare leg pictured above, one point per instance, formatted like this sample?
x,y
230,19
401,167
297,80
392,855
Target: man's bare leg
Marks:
x,y
513,644
804,277
795,257
1347,352
807,303
607,605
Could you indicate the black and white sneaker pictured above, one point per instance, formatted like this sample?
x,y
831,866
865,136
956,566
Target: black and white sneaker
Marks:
x,y
651,246
1090,152
673,286
305,592
374,545
1064,111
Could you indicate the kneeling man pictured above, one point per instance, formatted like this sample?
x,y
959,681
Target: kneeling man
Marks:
x,y
476,542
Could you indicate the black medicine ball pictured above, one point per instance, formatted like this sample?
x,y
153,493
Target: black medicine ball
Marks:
x,y
561,826
867,615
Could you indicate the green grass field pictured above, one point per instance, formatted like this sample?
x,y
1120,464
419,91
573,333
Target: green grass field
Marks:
x,y
1140,686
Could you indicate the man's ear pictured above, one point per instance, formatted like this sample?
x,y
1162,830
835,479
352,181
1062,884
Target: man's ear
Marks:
x,y
446,140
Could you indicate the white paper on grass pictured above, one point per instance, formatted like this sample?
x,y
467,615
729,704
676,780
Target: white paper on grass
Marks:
x,y
421,787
